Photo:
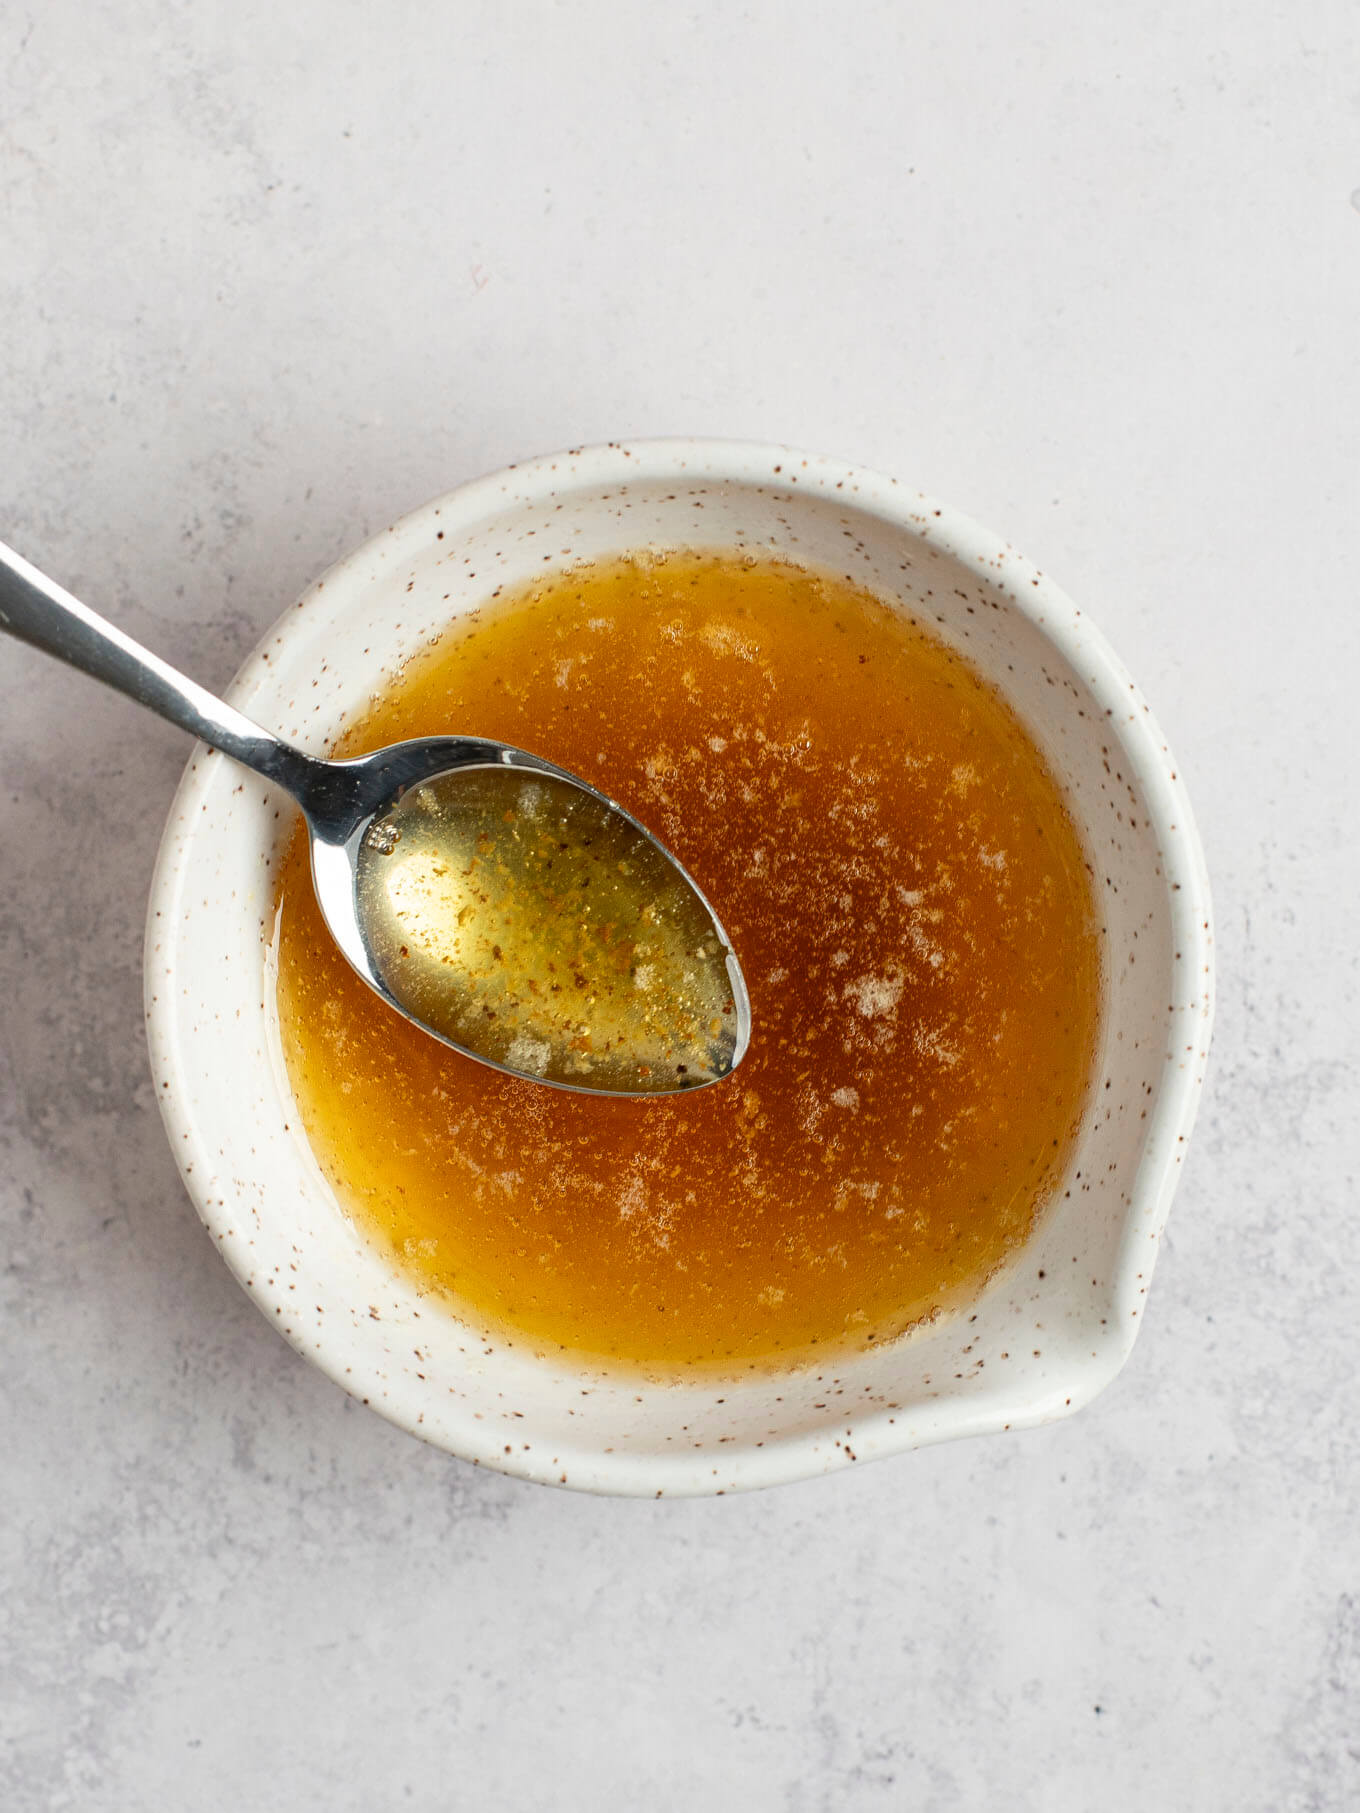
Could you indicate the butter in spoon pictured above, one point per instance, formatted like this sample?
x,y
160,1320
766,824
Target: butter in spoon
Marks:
x,y
497,901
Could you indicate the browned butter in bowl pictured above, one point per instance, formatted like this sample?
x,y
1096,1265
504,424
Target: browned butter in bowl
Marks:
x,y
903,883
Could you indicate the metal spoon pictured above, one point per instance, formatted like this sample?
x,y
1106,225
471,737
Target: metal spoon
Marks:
x,y
499,902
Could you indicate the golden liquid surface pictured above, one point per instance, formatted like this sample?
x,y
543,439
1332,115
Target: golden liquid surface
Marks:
x,y
914,918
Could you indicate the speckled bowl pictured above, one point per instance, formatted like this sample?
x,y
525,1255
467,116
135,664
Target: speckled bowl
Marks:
x,y
1049,1331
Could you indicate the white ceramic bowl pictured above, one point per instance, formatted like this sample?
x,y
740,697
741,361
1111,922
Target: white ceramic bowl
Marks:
x,y
1050,1330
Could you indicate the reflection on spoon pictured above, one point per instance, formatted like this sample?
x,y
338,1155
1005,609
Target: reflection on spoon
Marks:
x,y
524,917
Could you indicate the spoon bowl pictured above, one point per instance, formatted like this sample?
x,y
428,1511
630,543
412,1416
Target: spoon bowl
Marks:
x,y
543,930
516,913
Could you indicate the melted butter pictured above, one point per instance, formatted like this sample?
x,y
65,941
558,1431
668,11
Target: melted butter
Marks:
x,y
889,853
524,920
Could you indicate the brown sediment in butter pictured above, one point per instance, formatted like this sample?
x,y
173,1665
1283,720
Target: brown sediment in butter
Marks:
x,y
909,900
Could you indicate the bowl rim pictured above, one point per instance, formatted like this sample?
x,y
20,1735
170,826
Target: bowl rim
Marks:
x,y
776,468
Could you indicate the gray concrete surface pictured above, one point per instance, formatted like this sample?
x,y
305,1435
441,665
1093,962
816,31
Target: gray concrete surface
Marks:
x,y
273,273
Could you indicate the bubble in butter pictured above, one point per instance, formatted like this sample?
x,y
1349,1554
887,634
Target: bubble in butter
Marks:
x,y
527,922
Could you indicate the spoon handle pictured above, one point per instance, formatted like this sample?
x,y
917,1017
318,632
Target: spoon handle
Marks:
x,y
36,610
